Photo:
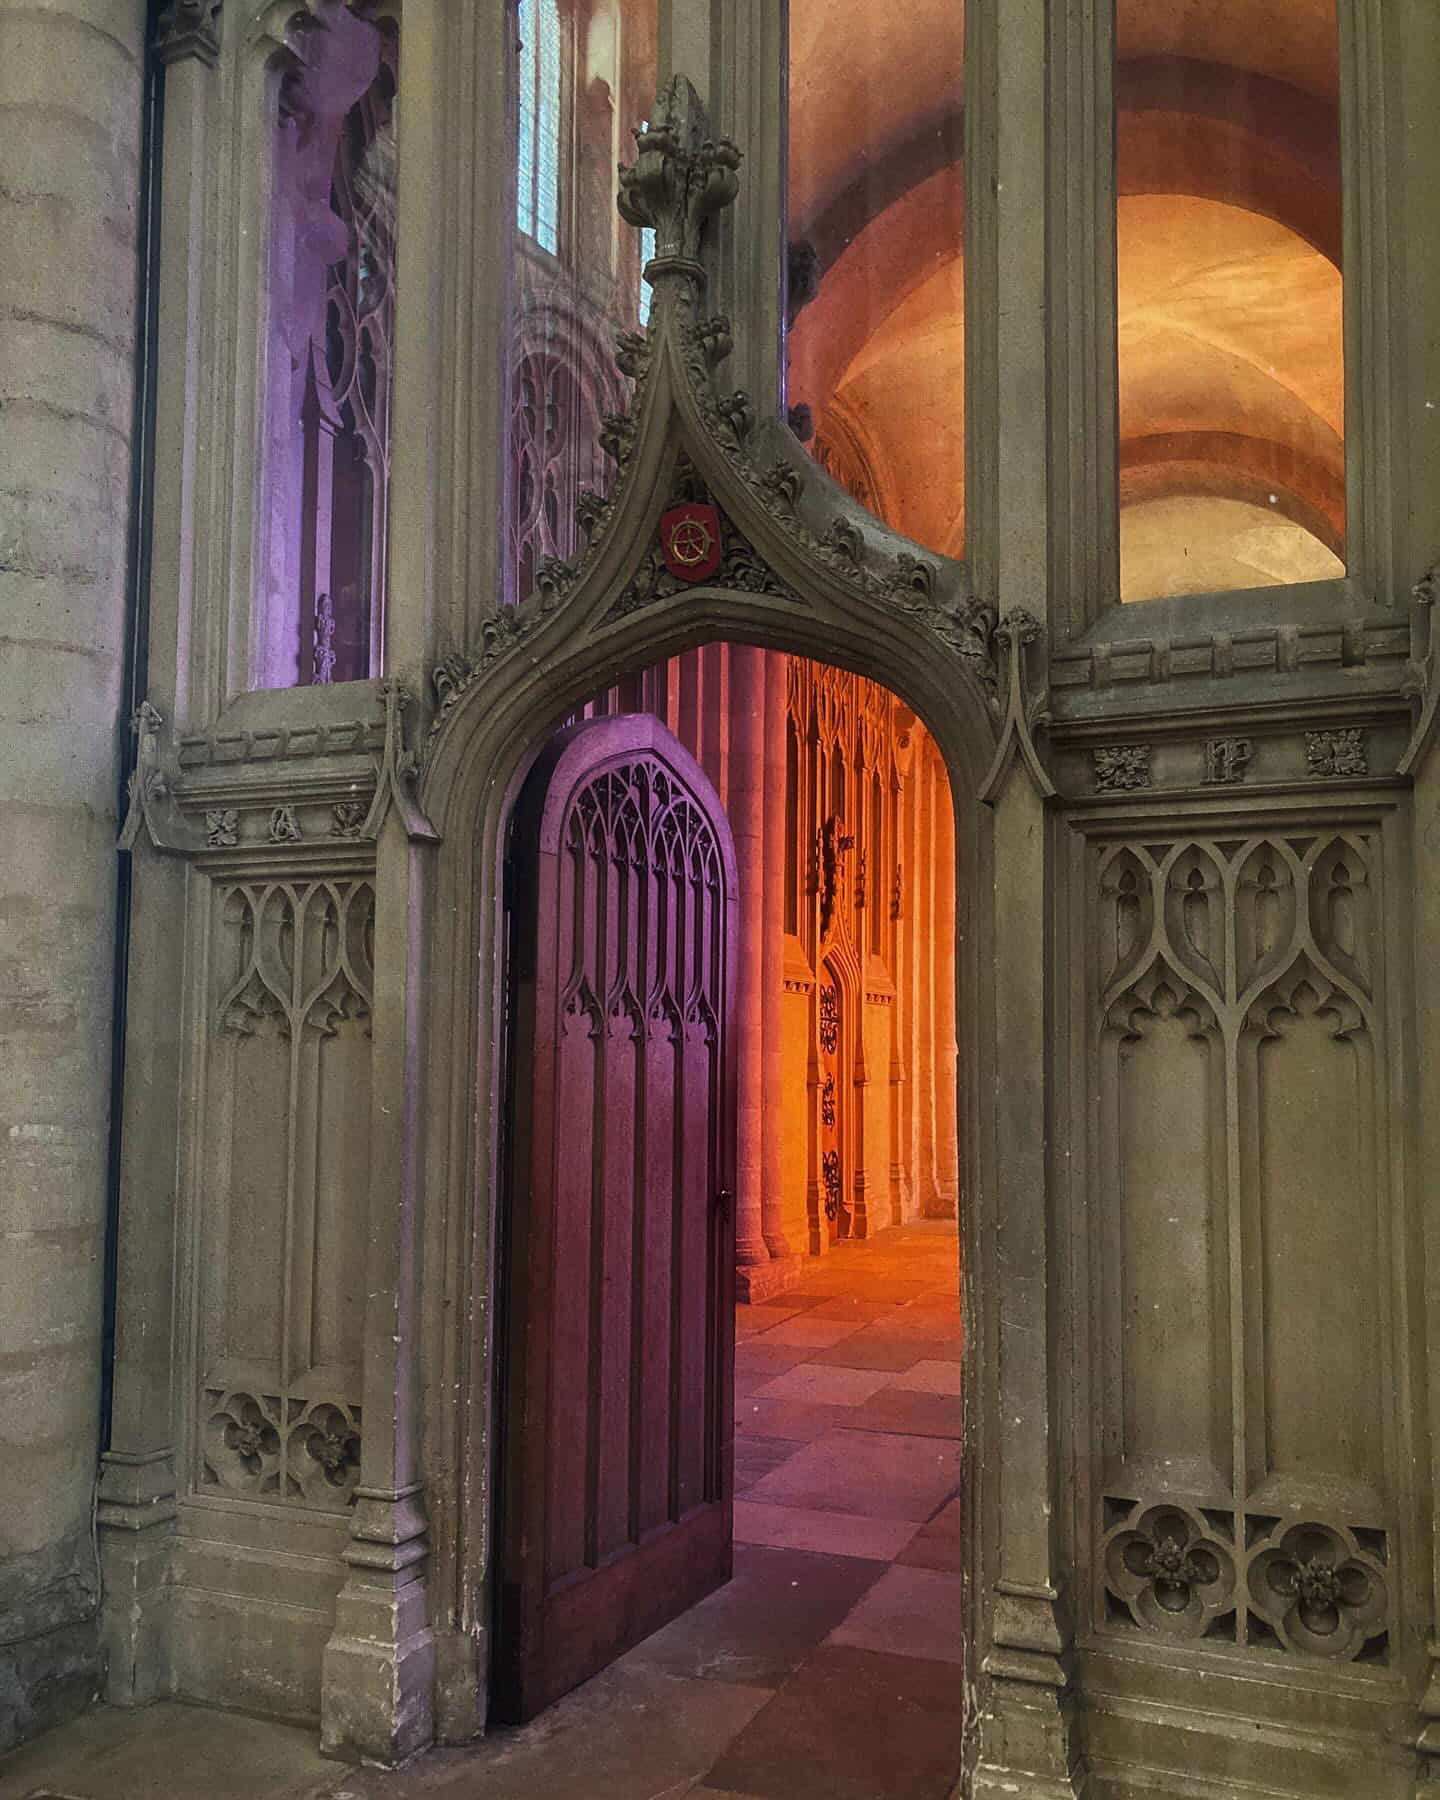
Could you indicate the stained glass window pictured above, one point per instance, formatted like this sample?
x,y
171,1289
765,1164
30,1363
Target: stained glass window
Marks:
x,y
538,203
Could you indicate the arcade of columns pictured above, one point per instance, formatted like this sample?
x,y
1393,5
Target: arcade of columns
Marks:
x,y
841,812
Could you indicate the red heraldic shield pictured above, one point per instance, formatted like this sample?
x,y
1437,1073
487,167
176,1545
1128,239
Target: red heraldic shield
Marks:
x,y
690,542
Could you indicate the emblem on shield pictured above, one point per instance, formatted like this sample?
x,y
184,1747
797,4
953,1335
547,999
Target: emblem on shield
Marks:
x,y
690,542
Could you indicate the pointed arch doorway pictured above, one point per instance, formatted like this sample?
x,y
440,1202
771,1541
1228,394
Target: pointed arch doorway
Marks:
x,y
615,1579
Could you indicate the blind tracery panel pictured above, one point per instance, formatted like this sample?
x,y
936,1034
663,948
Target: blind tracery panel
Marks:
x,y
585,75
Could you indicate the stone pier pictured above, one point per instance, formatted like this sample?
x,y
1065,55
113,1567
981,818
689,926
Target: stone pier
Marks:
x,y
70,100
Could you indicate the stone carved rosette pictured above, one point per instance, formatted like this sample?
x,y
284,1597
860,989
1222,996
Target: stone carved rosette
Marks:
x,y
1170,1570
272,1447
241,1444
1320,1592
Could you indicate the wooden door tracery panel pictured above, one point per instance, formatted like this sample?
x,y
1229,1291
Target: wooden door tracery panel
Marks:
x,y
618,1335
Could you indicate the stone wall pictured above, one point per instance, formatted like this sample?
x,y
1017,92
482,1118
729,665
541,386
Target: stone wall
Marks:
x,y
70,98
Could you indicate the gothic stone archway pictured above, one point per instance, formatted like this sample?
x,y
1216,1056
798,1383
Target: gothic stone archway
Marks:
x,y
797,572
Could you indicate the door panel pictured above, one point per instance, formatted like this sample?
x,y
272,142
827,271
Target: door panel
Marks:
x,y
617,1345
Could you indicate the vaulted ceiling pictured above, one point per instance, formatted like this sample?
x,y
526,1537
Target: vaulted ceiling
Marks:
x,y
1229,246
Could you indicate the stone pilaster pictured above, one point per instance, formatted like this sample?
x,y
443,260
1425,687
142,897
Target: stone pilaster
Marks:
x,y
378,1676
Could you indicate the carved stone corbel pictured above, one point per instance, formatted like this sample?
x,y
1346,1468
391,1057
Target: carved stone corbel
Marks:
x,y
189,28
152,798
397,774
1023,712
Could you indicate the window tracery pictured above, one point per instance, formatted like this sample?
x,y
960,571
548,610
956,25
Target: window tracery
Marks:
x,y
585,71
331,308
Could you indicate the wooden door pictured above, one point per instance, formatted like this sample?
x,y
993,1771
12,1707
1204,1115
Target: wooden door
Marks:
x,y
618,1247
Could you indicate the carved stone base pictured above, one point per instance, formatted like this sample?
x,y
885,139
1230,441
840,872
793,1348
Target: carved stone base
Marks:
x,y
460,1696
377,1701
1026,1731
762,1281
136,1520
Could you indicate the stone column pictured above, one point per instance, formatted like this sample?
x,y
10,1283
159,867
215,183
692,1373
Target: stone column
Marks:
x,y
942,1064
71,88
688,701
773,1099
714,690
746,807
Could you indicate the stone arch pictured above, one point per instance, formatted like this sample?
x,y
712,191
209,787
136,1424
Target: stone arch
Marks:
x,y
470,792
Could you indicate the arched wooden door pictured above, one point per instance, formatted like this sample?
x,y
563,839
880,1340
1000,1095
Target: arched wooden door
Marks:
x,y
619,1235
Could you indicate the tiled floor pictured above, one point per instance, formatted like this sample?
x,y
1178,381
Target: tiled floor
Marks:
x,y
828,1669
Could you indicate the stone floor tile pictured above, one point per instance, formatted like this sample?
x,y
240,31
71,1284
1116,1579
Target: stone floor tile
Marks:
x,y
908,1612
824,1383
759,1321
761,1353
633,1733
829,1532
762,1625
936,1545
809,1333
757,1456
163,1751
930,1377
850,1306
878,1475
907,1410
852,1725
874,1348
760,1416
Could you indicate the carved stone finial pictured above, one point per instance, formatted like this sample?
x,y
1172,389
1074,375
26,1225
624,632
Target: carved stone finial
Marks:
x,y
681,177
188,28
